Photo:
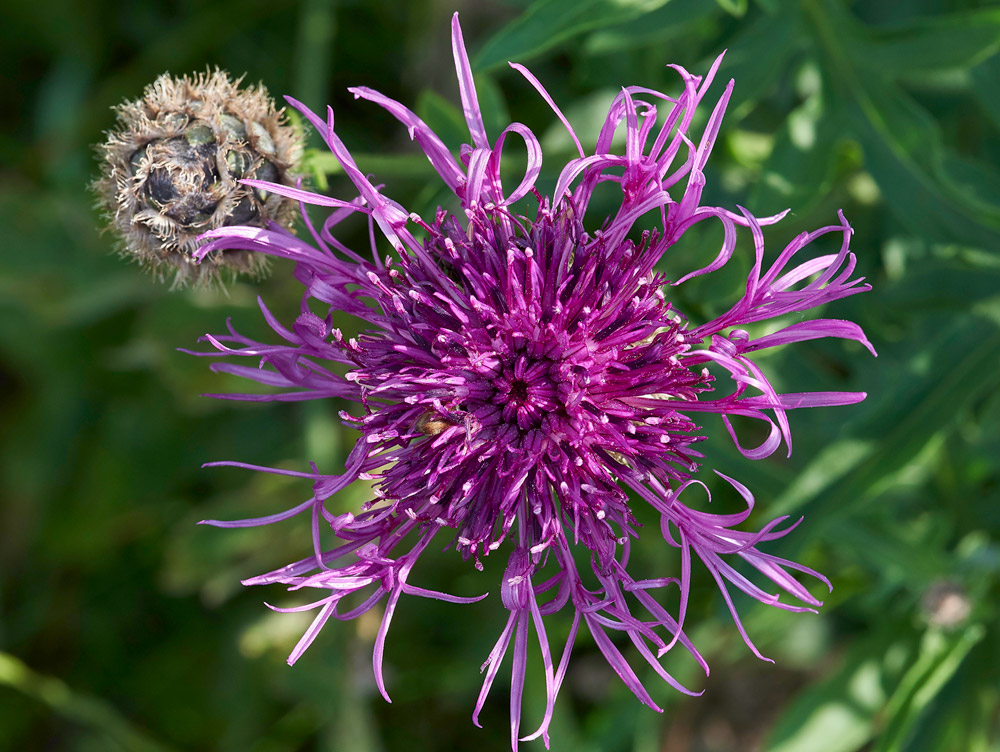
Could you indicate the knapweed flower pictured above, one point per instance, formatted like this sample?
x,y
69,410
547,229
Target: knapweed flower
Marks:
x,y
172,170
523,381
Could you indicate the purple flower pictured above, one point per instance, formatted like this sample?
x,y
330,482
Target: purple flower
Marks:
x,y
523,381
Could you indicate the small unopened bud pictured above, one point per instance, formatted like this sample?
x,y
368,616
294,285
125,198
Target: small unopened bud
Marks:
x,y
171,171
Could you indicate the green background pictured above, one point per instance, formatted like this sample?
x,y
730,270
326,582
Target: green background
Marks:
x,y
122,623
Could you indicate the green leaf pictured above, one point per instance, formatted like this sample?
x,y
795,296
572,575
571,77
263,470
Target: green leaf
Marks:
x,y
903,147
496,116
88,711
838,714
961,369
977,182
443,117
986,86
313,51
737,8
548,23
888,553
665,23
954,40
757,56
844,712
799,171
939,657
931,285
380,165
907,161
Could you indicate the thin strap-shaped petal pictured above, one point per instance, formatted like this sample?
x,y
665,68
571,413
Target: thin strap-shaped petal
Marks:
x,y
438,595
492,665
806,330
793,400
620,665
264,241
728,241
531,171
433,147
307,197
549,101
467,87
379,650
765,449
258,521
517,676
310,634
389,215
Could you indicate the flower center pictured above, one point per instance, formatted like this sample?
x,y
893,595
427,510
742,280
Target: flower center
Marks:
x,y
525,394
519,391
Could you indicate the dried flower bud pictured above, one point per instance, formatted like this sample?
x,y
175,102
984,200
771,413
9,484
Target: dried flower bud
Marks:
x,y
171,171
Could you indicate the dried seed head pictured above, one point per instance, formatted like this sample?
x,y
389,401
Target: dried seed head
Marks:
x,y
171,171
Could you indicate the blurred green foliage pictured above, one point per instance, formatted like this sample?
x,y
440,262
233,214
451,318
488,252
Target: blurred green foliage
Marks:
x,y
122,624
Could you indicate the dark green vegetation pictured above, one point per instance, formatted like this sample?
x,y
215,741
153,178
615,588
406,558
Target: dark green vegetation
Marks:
x,y
122,624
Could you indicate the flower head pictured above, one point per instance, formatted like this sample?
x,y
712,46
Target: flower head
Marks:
x,y
523,381
172,170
